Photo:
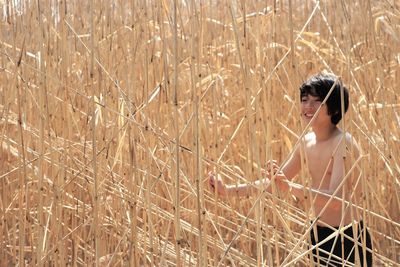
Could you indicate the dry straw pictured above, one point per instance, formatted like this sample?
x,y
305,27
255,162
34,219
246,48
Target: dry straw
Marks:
x,y
112,113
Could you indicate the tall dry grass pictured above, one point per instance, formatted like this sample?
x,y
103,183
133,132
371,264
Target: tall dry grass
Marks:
x,y
112,113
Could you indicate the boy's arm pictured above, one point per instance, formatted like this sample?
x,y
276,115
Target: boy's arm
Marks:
x,y
245,190
292,167
239,190
288,171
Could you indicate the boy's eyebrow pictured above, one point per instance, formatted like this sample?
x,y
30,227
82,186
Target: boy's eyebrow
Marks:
x,y
308,95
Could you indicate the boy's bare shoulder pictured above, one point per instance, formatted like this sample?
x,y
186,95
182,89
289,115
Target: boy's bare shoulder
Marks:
x,y
349,139
350,144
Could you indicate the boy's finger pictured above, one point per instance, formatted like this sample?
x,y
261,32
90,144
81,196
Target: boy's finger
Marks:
x,y
212,183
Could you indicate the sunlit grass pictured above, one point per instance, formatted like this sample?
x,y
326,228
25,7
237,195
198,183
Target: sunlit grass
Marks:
x,y
109,128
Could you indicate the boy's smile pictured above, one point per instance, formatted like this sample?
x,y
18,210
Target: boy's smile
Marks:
x,y
309,106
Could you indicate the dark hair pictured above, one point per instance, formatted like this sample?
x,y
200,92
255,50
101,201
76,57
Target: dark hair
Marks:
x,y
319,86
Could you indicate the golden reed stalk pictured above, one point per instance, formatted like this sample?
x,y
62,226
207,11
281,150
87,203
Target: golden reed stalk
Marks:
x,y
112,114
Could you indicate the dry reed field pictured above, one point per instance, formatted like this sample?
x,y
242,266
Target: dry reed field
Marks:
x,y
113,112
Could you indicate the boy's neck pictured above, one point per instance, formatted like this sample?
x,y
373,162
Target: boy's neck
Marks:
x,y
324,133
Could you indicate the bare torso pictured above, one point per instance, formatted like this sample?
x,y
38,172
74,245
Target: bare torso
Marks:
x,y
327,175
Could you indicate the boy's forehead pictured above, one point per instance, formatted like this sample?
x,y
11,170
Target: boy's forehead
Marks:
x,y
312,97
310,90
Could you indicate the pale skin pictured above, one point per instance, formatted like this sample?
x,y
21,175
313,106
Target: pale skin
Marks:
x,y
329,155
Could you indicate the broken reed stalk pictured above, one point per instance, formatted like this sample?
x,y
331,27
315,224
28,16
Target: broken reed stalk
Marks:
x,y
175,103
134,181
23,180
42,115
195,72
95,195
133,172
225,118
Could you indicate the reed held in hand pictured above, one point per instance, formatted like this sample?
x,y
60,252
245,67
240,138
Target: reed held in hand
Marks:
x,y
331,157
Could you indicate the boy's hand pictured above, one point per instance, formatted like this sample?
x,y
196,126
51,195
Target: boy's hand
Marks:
x,y
271,168
216,184
282,183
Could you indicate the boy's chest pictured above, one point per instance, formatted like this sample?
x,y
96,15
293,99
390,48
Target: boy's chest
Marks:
x,y
320,163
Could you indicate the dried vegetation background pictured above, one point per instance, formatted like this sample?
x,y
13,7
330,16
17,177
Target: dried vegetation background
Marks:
x,y
112,112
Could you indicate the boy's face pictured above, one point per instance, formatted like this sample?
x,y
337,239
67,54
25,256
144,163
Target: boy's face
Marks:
x,y
309,106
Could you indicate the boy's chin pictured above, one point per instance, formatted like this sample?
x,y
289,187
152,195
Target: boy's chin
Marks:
x,y
305,119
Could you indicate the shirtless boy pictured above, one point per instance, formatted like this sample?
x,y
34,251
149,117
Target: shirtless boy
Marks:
x,y
332,157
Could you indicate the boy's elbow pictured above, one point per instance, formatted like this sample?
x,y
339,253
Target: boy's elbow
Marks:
x,y
336,205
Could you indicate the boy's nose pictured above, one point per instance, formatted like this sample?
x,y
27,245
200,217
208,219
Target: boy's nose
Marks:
x,y
311,104
308,105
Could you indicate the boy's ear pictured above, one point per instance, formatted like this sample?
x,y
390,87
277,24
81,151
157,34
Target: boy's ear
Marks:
x,y
334,113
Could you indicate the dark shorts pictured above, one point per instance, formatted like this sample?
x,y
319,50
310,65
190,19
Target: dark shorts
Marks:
x,y
349,249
